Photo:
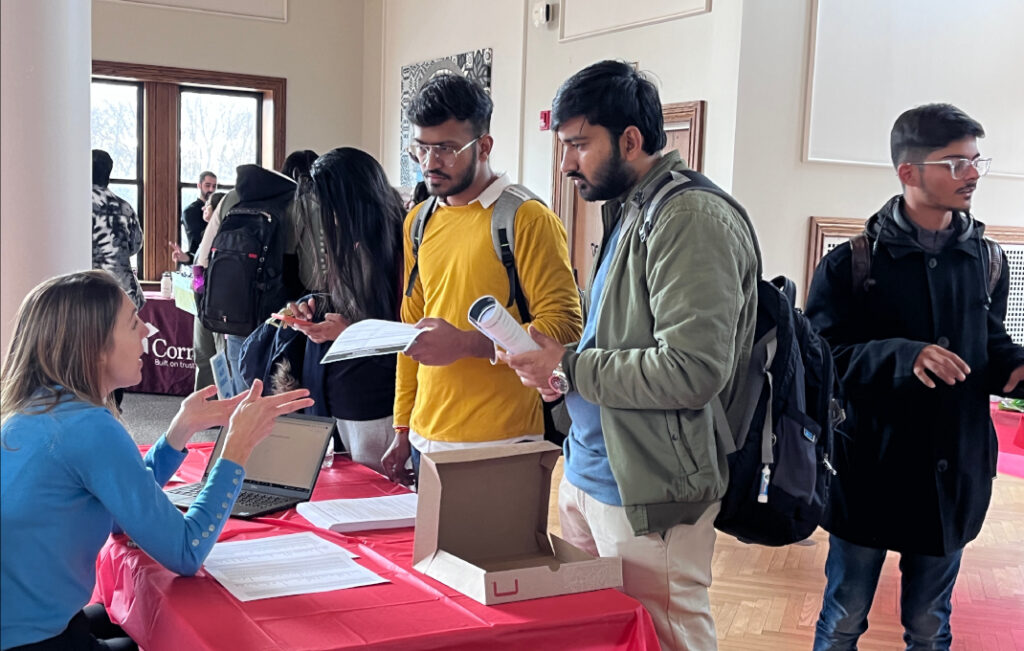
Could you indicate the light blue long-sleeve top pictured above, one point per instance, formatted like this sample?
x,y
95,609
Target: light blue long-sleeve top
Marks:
x,y
68,478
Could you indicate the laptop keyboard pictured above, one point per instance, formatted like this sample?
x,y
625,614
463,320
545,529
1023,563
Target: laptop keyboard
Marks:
x,y
190,490
247,501
254,501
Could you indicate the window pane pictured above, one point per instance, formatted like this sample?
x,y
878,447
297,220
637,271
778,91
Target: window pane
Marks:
x,y
115,125
218,133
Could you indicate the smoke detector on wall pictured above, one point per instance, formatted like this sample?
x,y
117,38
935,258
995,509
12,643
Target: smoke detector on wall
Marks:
x,y
541,13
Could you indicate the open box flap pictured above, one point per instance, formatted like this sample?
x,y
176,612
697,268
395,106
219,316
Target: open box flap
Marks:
x,y
495,501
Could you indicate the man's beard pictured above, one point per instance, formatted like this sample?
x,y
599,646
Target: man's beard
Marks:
x,y
612,179
458,186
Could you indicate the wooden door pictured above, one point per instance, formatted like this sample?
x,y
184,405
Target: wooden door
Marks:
x,y
684,128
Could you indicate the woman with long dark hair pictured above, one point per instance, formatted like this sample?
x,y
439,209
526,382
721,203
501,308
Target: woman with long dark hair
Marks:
x,y
362,217
70,474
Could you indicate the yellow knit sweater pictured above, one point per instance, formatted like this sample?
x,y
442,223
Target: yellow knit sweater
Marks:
x,y
472,400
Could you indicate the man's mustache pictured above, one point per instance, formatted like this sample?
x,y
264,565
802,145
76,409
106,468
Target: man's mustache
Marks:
x,y
438,173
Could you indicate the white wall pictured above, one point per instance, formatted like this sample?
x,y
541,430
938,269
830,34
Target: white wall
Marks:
x,y
416,31
779,190
692,58
319,51
45,168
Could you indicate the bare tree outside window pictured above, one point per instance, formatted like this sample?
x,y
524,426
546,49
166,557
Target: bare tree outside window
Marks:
x,y
219,131
114,128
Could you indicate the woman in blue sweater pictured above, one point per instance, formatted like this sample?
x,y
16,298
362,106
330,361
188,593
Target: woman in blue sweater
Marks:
x,y
70,474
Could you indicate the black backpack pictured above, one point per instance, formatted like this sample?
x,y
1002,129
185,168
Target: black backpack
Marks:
x,y
245,275
778,431
503,219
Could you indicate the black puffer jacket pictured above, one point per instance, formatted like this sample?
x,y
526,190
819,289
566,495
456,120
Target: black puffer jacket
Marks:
x,y
915,464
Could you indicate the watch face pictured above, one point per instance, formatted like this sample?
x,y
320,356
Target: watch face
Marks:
x,y
559,382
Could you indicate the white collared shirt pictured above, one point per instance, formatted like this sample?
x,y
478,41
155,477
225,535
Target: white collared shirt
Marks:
x,y
491,193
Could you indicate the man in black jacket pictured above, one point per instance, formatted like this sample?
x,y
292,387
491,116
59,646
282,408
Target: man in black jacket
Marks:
x,y
192,218
914,315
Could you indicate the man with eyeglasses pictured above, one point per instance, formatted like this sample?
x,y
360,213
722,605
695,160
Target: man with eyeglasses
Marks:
x,y
449,394
913,310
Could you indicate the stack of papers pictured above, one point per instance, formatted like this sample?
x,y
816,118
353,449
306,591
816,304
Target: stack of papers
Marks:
x,y
387,512
298,563
371,337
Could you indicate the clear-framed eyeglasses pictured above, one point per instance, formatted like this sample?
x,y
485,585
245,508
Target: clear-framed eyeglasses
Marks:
x,y
958,166
444,154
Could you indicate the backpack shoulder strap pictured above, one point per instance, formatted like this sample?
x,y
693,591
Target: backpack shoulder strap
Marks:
x,y
419,225
860,261
503,221
675,183
995,263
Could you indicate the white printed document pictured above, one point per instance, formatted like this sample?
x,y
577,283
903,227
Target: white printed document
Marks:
x,y
387,512
490,317
298,563
371,337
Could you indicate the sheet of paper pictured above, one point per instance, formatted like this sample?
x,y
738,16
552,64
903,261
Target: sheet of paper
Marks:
x,y
371,337
386,512
298,563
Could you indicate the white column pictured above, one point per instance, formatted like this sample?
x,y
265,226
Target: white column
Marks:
x,y
46,166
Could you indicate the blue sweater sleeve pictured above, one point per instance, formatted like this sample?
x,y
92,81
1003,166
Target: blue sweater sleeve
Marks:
x,y
107,462
163,460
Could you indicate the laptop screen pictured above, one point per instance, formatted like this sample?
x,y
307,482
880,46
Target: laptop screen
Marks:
x,y
290,456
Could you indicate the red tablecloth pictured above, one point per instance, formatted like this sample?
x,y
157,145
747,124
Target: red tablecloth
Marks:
x,y
161,610
167,366
1010,432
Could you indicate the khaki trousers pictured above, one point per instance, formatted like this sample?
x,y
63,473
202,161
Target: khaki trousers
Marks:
x,y
669,575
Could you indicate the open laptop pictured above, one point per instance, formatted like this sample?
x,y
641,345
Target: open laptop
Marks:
x,y
281,472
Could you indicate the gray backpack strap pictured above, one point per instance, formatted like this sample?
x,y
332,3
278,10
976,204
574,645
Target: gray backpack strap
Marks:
x,y
416,230
732,426
503,237
995,263
860,262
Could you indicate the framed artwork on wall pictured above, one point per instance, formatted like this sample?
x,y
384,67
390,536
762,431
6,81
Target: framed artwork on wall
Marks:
x,y
475,64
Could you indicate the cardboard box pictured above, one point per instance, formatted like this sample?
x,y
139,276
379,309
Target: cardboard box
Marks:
x,y
481,527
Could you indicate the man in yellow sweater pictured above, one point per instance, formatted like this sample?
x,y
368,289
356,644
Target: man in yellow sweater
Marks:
x,y
449,394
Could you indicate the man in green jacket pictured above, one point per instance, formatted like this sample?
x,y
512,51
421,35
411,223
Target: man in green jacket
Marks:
x,y
670,323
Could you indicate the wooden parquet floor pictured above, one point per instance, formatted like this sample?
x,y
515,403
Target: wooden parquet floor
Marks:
x,y
768,598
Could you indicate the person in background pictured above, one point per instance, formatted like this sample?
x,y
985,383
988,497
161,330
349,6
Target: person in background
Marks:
x,y
919,345
361,217
449,394
194,220
116,235
204,345
70,474
419,195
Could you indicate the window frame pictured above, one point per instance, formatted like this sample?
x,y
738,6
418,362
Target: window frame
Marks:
x,y
160,158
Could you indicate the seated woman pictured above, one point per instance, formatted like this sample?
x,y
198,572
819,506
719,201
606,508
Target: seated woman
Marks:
x,y
362,221
70,474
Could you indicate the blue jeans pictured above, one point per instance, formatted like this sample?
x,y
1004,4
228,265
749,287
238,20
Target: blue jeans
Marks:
x,y
234,354
926,586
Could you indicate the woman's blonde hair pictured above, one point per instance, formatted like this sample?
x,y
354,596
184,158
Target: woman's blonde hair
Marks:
x,y
62,328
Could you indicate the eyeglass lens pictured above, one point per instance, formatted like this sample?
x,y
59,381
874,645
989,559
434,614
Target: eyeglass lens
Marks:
x,y
961,166
442,154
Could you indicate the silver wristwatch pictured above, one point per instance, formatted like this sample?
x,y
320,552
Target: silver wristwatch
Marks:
x,y
558,380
